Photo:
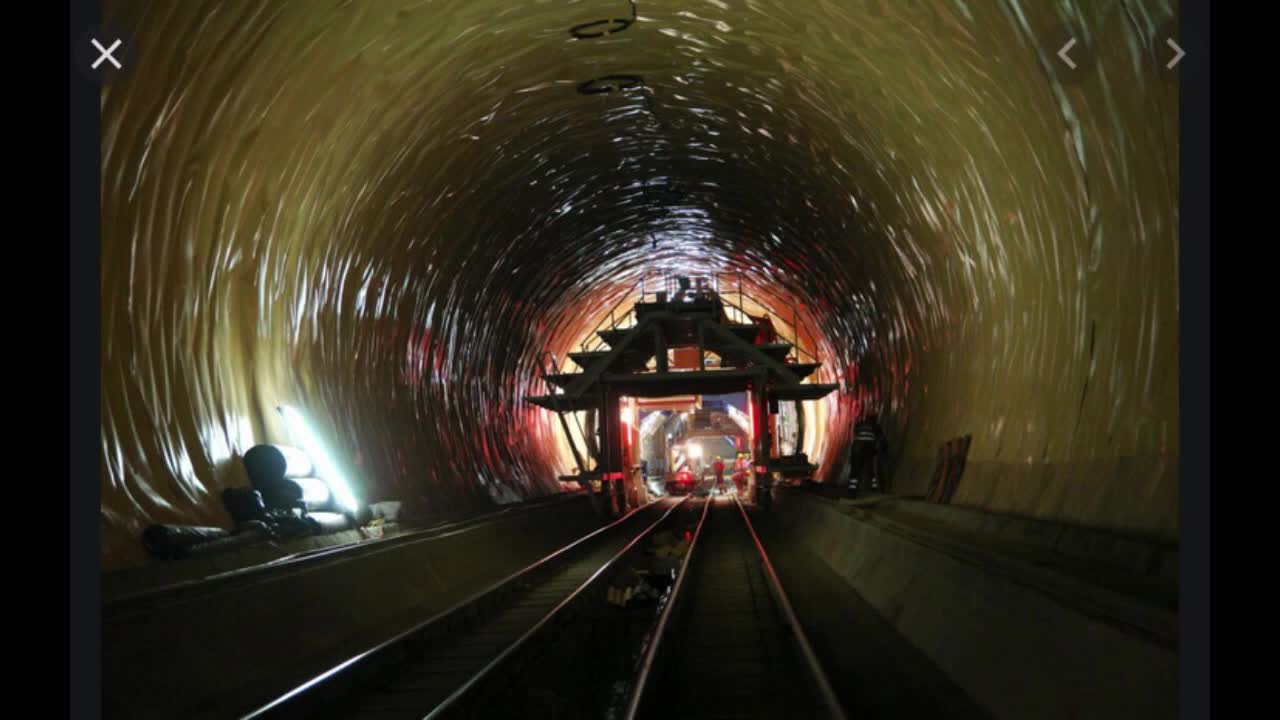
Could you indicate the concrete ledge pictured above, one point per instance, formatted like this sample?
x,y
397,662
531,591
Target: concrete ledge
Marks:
x,y
159,575
1019,651
1135,554
156,575
1128,494
214,654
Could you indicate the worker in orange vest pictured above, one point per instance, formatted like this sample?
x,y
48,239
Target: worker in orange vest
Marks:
x,y
740,467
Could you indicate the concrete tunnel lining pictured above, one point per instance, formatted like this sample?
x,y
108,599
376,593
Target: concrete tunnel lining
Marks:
x,y
383,213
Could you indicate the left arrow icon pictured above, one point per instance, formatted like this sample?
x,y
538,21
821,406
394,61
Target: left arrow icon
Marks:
x,y
1062,53
1176,58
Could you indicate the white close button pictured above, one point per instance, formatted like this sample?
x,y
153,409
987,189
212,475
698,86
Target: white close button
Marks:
x,y
107,53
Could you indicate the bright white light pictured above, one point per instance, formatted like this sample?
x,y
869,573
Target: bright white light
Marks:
x,y
651,420
695,450
301,434
628,416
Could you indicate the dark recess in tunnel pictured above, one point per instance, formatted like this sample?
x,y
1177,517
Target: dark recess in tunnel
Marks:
x,y
382,214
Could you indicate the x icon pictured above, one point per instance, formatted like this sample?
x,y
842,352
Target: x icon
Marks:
x,y
106,53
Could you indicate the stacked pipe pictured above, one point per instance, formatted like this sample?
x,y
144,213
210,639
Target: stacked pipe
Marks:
x,y
285,477
285,500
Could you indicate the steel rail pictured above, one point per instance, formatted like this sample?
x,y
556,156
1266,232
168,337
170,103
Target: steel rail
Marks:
x,y
660,631
825,690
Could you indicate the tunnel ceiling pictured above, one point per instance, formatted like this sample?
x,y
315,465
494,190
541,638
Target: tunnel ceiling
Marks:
x,y
381,213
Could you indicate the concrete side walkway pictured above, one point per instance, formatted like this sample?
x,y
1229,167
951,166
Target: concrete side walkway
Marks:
x,y
1021,639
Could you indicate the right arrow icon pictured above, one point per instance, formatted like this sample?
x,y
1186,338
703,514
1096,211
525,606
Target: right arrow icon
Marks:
x,y
1176,58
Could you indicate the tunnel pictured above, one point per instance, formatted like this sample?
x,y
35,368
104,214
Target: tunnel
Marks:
x,y
385,217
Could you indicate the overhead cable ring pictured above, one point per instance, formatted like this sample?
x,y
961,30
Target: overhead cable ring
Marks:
x,y
618,25
615,25
610,83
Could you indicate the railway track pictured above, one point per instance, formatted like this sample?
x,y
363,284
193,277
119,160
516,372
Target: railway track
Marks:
x,y
721,642
461,661
728,644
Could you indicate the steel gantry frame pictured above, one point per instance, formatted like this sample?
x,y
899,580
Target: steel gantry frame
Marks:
x,y
636,365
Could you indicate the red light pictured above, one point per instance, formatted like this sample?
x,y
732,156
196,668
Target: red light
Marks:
x,y
688,535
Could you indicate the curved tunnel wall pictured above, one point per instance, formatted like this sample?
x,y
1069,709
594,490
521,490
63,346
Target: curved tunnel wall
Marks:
x,y
382,212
